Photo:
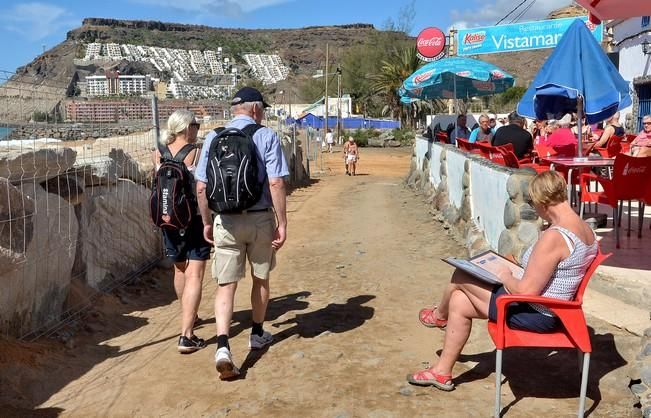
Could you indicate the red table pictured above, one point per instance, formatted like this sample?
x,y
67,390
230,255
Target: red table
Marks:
x,y
572,163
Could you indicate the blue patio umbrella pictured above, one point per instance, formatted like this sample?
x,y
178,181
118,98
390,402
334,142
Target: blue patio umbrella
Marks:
x,y
454,77
577,77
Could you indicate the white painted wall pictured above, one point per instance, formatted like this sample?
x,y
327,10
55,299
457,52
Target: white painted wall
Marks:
x,y
454,164
422,147
488,197
435,165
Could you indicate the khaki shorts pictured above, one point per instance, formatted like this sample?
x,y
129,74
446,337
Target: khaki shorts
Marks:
x,y
241,237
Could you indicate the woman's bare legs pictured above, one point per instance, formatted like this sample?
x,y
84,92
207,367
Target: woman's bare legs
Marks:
x,y
191,295
465,298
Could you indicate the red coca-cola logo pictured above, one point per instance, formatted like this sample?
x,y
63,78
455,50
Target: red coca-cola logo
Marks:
x,y
590,25
423,77
430,42
465,73
474,38
497,74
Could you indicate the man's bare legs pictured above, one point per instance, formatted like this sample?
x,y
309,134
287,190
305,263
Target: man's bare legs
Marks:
x,y
259,299
224,300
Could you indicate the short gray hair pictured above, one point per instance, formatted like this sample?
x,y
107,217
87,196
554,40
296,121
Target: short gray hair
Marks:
x,y
245,107
646,117
484,116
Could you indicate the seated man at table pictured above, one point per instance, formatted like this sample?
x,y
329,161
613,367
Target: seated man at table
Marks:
x,y
483,132
641,145
561,138
514,133
460,130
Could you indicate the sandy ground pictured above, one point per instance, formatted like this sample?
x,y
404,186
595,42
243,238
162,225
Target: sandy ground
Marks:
x,y
363,256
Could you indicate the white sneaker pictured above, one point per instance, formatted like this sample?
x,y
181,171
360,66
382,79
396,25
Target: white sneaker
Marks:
x,y
224,364
257,342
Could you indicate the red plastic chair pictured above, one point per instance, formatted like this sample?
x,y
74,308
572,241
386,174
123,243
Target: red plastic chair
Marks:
x,y
511,160
442,137
485,149
573,333
467,146
629,182
612,148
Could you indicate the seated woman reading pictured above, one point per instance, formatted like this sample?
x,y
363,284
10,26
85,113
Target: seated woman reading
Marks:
x,y
553,267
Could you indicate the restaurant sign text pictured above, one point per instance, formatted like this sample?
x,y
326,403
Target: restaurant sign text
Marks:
x,y
519,36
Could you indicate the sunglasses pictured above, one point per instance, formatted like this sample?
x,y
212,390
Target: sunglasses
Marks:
x,y
646,123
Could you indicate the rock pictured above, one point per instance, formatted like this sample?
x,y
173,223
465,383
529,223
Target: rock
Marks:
x,y
340,266
450,214
506,243
298,355
638,389
392,144
510,214
647,332
528,233
139,170
406,391
376,142
16,212
33,293
646,351
527,213
645,375
68,187
465,180
35,164
513,187
118,214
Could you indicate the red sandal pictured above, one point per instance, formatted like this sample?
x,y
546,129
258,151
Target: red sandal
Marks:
x,y
428,318
428,377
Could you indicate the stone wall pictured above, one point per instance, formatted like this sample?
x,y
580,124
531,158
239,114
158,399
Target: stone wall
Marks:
x,y
484,204
76,132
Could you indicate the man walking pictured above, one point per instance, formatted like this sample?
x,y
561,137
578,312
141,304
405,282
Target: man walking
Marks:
x,y
255,233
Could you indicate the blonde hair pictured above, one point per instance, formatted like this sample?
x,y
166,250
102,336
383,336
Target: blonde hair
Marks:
x,y
548,189
178,122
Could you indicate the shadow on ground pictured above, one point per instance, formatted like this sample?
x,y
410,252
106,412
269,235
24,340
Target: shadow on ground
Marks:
x,y
547,373
335,318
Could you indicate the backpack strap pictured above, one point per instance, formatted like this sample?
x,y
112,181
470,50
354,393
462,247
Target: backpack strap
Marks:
x,y
183,152
218,131
164,151
251,129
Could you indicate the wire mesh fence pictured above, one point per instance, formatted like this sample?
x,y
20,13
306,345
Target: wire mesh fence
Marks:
x,y
73,204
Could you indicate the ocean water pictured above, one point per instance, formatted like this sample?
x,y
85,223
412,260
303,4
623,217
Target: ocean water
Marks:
x,y
4,132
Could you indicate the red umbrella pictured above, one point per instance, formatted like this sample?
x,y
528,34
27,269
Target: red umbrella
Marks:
x,y
615,9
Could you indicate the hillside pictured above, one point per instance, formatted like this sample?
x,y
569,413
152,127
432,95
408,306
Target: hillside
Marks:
x,y
51,75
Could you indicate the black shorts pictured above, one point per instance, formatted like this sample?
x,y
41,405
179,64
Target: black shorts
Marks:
x,y
189,246
521,315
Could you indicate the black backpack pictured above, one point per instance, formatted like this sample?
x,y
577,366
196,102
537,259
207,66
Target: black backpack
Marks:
x,y
232,170
172,204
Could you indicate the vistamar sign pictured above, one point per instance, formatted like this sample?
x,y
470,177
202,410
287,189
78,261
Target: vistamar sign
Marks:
x,y
518,37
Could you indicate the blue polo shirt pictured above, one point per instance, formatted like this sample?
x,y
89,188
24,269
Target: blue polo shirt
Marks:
x,y
271,160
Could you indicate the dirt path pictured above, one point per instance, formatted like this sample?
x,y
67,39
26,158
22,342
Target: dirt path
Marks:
x,y
363,256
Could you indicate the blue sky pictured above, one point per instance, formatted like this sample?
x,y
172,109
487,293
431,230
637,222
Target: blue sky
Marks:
x,y
27,27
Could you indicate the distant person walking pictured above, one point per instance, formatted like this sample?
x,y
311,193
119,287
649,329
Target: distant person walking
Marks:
x,y
319,140
255,232
330,140
186,248
351,155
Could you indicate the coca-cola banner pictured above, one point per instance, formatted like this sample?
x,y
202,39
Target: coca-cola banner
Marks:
x,y
519,36
430,44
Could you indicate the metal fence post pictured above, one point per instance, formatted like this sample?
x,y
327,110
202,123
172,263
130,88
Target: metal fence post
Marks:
x,y
154,118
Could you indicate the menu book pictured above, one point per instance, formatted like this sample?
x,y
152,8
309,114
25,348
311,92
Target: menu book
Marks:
x,y
485,266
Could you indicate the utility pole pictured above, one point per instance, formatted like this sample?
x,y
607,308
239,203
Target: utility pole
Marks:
x,y
325,74
339,105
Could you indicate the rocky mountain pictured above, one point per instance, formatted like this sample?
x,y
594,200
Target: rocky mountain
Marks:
x,y
50,76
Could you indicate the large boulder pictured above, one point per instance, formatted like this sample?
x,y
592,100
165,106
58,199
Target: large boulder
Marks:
x,y
117,235
36,164
16,225
34,291
376,142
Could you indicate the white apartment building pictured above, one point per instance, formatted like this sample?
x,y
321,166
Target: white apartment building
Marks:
x,y
127,85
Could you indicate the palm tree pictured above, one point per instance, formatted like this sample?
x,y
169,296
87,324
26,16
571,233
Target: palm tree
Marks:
x,y
394,70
